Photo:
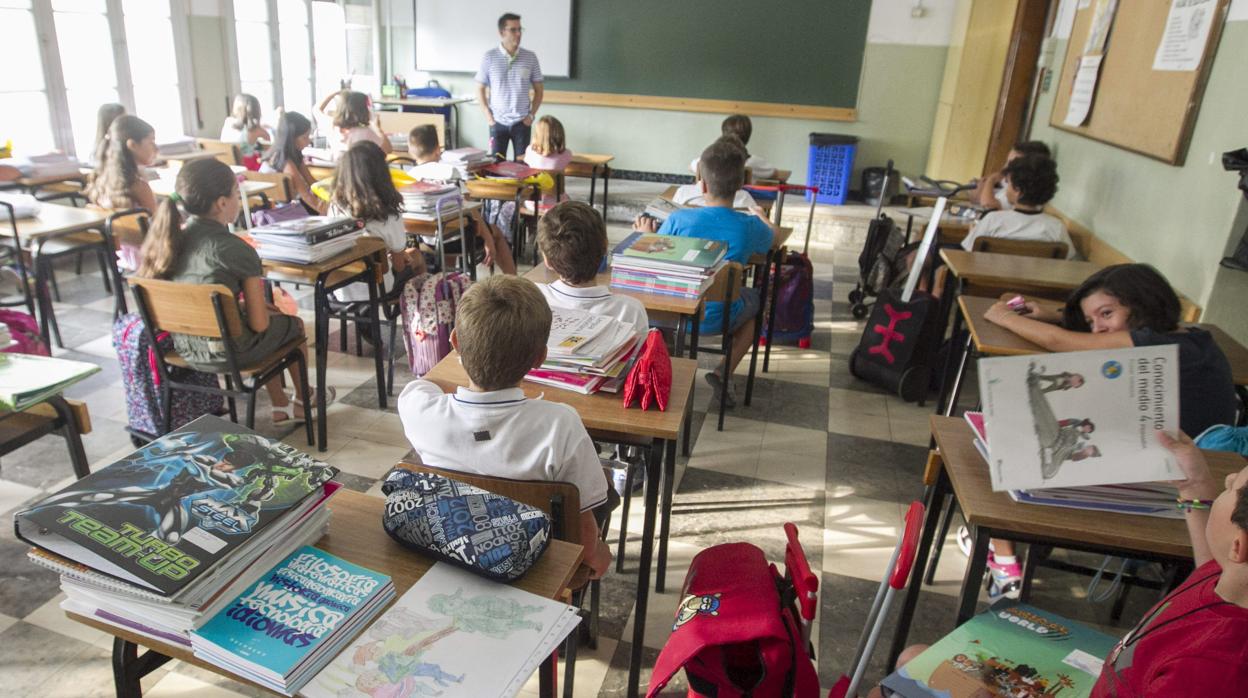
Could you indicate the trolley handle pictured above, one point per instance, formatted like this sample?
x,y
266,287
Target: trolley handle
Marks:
x,y
909,546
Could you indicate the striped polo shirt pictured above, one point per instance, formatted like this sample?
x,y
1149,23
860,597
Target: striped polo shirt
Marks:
x,y
508,79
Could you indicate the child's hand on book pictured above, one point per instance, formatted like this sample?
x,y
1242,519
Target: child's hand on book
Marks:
x,y
646,224
1198,484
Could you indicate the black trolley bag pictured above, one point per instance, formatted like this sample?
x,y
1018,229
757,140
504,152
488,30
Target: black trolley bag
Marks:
x,y
898,348
877,263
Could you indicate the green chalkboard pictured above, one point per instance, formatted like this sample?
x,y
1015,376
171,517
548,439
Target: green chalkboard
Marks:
x,y
779,51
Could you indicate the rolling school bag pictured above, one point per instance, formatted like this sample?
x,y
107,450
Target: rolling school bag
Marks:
x,y
795,289
736,633
428,304
141,378
899,345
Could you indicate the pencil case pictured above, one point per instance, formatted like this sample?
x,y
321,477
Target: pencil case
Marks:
x,y
481,531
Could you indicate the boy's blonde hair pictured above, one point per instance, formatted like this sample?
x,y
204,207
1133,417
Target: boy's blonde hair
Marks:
x,y
573,239
548,137
502,325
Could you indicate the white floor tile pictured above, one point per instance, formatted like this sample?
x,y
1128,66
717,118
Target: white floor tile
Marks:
x,y
51,617
367,458
175,685
14,494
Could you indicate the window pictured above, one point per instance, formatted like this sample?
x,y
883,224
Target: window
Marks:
x,y
296,55
153,66
86,48
23,93
360,56
255,51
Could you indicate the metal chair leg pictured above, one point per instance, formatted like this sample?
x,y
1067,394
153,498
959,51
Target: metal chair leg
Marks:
x,y
946,519
628,496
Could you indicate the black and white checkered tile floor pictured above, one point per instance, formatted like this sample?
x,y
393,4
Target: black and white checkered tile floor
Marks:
x,y
836,456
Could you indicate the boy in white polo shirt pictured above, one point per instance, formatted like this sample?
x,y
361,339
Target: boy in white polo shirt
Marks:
x,y
573,240
490,427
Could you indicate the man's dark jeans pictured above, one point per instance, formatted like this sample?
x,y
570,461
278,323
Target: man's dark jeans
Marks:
x,y
517,134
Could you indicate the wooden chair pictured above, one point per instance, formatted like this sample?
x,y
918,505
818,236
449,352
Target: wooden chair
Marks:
x,y
127,227
1021,248
228,153
562,503
209,310
284,193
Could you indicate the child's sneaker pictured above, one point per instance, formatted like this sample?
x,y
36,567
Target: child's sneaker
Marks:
x,y
1004,580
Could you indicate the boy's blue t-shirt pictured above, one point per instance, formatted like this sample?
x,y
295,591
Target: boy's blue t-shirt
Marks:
x,y
745,234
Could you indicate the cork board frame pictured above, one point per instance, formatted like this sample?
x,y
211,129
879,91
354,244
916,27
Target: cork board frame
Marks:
x,y
1137,108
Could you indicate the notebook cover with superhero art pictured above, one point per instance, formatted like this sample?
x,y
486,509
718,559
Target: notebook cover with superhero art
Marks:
x,y
167,513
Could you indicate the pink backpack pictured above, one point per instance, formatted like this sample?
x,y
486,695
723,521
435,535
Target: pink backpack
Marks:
x,y
25,333
428,306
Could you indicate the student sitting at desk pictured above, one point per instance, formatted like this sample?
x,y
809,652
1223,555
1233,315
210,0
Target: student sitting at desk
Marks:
x,y
746,234
117,182
989,191
354,119
104,118
490,427
242,128
286,156
1030,182
740,127
1194,642
573,240
1120,306
695,194
423,146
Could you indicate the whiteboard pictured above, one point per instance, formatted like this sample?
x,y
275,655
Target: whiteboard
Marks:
x,y
452,35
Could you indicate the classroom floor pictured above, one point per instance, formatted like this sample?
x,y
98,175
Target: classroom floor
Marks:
x,y
817,447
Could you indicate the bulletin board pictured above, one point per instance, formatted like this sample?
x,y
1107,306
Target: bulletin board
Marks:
x,y
1136,108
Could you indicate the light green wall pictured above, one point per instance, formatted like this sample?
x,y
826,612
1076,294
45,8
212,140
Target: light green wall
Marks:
x,y
1176,218
896,107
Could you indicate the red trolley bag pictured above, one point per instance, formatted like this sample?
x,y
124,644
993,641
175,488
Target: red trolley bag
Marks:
x,y
736,632
899,346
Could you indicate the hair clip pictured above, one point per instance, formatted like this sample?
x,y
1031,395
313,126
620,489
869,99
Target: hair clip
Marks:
x,y
175,197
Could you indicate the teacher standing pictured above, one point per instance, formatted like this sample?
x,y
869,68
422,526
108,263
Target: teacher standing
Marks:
x,y
503,83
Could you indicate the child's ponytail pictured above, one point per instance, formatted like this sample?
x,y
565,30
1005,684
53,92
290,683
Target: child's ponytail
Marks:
x,y
160,245
200,183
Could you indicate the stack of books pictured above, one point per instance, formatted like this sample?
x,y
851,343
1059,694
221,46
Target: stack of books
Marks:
x,y
466,160
1079,429
420,200
305,240
179,146
509,170
586,353
163,540
283,629
27,380
666,264
47,165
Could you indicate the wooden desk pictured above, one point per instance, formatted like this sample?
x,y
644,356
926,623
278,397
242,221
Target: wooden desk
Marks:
x,y
182,158
432,103
325,277
164,186
605,417
952,228
32,184
591,165
1044,277
964,473
355,534
493,190
78,226
1017,273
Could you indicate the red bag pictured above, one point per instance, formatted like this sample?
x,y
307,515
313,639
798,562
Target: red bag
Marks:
x,y
735,633
651,377
25,333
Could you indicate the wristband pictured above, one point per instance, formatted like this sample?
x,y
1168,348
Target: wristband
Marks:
x,y
1189,505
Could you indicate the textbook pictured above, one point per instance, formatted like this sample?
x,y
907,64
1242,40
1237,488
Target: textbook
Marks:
x,y
1011,649
1080,418
284,628
669,252
1139,498
167,516
452,634
310,229
571,330
27,380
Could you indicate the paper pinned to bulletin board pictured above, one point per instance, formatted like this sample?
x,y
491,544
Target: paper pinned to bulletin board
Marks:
x,y
1182,45
1083,91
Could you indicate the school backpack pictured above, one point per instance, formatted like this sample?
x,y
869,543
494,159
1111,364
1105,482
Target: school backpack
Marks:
x,y
428,304
795,302
25,333
141,378
736,633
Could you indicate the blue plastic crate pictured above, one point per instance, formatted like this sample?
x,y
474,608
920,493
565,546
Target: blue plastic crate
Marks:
x,y
830,166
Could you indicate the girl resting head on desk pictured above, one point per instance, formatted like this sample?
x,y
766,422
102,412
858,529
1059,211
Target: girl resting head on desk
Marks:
x,y
1130,305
